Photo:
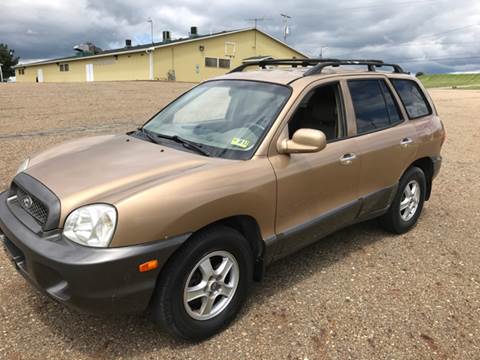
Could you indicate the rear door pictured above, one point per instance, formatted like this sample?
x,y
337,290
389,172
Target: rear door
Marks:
x,y
386,140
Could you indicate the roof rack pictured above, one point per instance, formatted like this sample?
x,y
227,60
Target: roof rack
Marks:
x,y
317,65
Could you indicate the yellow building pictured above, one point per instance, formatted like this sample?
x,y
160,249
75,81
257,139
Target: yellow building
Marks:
x,y
190,59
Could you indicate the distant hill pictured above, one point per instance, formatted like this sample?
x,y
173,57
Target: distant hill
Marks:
x,y
463,81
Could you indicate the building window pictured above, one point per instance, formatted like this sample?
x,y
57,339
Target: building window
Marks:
x,y
64,67
230,48
211,62
224,63
21,71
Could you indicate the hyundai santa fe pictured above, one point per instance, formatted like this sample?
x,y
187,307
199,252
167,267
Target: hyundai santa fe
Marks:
x,y
178,217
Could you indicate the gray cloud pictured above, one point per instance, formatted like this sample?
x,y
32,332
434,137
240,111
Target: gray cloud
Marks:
x,y
423,35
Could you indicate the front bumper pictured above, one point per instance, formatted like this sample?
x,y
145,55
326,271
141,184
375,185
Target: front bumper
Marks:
x,y
89,279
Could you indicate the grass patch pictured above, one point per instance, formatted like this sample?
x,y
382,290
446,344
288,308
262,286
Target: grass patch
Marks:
x,y
466,81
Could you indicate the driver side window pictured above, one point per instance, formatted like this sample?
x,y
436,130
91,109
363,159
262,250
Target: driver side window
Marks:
x,y
320,109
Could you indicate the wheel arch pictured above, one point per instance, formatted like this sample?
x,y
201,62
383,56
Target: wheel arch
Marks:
x,y
250,229
426,164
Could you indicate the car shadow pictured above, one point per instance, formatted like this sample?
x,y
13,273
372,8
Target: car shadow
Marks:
x,y
121,335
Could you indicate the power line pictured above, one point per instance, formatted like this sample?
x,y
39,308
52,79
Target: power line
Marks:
x,y
402,3
407,60
450,31
414,42
390,45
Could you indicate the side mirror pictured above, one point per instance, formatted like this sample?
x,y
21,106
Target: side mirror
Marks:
x,y
303,141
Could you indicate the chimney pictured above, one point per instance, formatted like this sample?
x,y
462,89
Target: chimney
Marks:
x,y
166,36
193,32
128,43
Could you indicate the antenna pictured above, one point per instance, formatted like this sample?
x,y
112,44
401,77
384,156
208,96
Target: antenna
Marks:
x,y
256,20
286,29
322,51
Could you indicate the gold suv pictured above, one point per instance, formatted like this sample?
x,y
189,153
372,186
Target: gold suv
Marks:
x,y
181,215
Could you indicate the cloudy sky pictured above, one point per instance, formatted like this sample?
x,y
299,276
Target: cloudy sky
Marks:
x,y
422,35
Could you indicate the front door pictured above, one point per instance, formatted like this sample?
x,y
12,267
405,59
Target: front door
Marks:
x,y
317,193
39,75
89,71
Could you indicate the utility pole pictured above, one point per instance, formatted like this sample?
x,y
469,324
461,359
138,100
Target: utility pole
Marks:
x,y
286,29
151,27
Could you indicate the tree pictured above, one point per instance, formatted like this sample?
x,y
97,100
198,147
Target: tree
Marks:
x,y
7,59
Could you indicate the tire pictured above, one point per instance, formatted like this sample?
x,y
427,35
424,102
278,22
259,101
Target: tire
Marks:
x,y
400,221
216,246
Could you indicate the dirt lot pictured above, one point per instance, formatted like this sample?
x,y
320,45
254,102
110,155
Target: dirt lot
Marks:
x,y
359,294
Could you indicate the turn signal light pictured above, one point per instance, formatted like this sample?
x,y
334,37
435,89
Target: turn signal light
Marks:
x,y
149,265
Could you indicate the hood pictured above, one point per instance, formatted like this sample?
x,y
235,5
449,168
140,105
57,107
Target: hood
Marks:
x,y
92,169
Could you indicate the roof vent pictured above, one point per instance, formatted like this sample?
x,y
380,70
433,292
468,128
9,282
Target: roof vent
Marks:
x,y
193,32
128,43
87,49
166,36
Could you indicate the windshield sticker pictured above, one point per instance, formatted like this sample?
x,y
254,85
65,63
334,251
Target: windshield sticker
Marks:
x,y
242,143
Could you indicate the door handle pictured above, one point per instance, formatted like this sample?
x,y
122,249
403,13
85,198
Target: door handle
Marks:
x,y
347,159
405,142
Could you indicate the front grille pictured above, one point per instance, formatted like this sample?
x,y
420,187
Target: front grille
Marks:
x,y
32,206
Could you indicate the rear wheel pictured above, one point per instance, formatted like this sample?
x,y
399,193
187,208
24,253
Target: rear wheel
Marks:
x,y
204,284
408,202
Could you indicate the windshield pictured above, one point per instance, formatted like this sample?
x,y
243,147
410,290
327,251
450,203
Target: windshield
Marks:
x,y
226,118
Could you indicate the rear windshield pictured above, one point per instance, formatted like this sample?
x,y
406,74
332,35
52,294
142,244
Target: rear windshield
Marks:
x,y
412,98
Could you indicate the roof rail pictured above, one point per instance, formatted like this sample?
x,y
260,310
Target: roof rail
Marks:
x,y
317,65
270,61
371,64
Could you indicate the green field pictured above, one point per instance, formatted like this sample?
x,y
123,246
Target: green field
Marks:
x,y
462,81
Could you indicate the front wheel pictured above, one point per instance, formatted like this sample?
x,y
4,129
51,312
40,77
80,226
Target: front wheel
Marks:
x,y
204,284
408,202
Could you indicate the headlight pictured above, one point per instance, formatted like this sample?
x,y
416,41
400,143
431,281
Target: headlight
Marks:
x,y
23,166
91,225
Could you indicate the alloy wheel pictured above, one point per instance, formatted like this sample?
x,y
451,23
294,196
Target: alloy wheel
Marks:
x,y
211,285
410,200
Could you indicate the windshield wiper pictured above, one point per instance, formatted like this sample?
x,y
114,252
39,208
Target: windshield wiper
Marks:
x,y
153,137
149,136
186,143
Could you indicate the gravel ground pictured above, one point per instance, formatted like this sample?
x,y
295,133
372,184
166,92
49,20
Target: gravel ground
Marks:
x,y
360,293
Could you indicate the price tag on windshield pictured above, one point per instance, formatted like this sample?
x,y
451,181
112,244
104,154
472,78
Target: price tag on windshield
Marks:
x,y
241,143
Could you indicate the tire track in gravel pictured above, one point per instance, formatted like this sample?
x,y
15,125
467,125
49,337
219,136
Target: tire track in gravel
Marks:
x,y
62,131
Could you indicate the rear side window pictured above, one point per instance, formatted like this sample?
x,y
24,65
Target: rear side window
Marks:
x,y
412,97
392,106
374,105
